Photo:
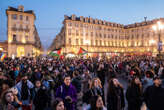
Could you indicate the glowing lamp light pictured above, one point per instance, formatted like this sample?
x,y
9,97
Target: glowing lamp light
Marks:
x,y
23,40
159,26
154,28
1,49
152,41
9,40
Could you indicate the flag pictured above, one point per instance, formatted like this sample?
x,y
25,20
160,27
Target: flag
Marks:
x,y
82,51
3,56
55,53
62,57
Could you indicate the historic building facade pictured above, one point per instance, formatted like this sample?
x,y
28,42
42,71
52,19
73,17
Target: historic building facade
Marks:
x,y
3,46
102,37
23,38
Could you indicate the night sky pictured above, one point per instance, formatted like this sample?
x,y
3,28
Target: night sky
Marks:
x,y
50,13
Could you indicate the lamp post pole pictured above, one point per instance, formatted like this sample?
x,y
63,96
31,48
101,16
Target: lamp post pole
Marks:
x,y
87,47
159,42
158,29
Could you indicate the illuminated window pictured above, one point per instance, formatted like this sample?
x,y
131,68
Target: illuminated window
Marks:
x,y
20,51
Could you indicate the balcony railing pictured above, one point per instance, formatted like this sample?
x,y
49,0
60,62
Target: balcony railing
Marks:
x,y
20,29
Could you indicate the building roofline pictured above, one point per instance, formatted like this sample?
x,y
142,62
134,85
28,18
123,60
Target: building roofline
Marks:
x,y
93,21
16,10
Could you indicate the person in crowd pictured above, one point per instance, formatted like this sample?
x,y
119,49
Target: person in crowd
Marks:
x,y
96,103
5,85
86,83
58,104
101,73
115,97
96,89
86,80
41,96
68,93
154,95
9,101
25,92
77,81
36,75
134,94
148,79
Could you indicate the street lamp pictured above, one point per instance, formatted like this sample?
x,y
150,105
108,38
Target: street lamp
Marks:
x,y
151,42
158,27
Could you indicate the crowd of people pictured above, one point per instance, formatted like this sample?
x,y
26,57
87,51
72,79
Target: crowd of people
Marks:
x,y
46,83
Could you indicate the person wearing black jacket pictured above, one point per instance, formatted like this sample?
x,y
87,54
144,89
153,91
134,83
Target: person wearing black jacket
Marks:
x,y
41,97
134,94
96,89
154,95
101,73
115,97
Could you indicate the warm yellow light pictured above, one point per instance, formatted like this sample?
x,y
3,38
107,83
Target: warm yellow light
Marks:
x,y
152,42
159,26
139,43
154,28
9,40
145,44
1,49
155,50
20,51
23,40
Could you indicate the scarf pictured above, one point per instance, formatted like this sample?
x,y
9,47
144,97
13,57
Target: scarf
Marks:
x,y
24,91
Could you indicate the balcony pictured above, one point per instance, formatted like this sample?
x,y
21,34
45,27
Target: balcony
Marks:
x,y
20,29
14,29
26,30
